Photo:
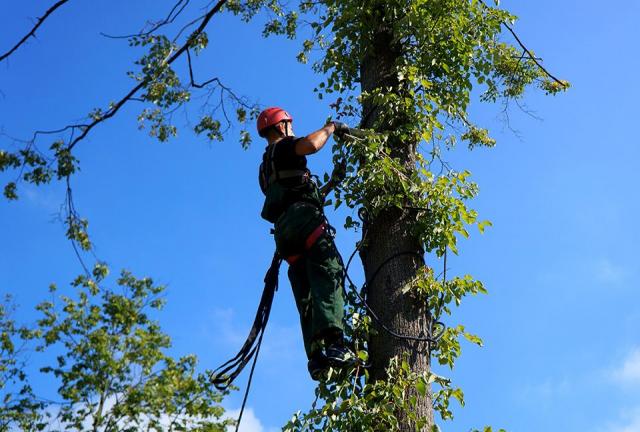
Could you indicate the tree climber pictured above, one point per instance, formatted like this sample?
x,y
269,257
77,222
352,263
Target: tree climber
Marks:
x,y
294,204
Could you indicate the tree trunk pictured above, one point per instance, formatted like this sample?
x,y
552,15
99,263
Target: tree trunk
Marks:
x,y
389,234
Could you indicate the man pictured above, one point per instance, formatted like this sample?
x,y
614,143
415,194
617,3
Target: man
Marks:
x,y
294,203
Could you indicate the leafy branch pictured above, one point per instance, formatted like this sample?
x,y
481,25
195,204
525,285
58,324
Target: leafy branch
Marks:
x,y
85,129
562,83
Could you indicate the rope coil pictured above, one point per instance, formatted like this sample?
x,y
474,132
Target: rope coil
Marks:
x,y
431,337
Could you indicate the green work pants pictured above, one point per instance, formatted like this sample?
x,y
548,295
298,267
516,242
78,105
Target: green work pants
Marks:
x,y
316,277
317,280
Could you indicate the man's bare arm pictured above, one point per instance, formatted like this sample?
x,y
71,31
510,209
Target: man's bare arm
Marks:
x,y
313,142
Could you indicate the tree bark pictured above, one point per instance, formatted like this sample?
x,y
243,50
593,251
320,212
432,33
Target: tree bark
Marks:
x,y
389,234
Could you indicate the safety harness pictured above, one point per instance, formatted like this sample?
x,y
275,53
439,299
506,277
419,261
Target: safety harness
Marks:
x,y
309,242
269,174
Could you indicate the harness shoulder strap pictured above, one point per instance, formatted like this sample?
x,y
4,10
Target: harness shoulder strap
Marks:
x,y
272,160
274,174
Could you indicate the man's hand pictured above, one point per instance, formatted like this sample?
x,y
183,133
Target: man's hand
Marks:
x,y
337,175
340,128
339,171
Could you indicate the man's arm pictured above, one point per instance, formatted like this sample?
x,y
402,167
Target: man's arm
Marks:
x,y
313,142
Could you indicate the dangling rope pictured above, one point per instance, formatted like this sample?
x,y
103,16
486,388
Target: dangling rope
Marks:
x,y
224,375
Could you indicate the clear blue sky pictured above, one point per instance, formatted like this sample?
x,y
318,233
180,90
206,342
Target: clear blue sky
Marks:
x,y
561,263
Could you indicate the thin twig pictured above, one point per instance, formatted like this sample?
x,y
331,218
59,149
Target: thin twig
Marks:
x,y
32,33
175,12
191,79
533,57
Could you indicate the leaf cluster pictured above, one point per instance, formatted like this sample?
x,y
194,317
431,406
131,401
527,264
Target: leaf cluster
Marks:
x,y
19,408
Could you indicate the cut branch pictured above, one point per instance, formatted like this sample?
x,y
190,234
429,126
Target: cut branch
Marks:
x,y
32,33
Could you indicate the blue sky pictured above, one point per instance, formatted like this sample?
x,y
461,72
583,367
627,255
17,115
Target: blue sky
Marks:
x,y
560,324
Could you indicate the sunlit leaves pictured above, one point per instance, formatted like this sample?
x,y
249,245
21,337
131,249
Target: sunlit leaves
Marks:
x,y
113,371
478,137
8,160
552,87
355,405
211,127
159,128
77,231
199,42
163,87
19,408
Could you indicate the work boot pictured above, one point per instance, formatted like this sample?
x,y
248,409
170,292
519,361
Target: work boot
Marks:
x,y
317,365
339,356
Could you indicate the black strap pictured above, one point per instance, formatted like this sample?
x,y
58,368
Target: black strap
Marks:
x,y
272,162
224,375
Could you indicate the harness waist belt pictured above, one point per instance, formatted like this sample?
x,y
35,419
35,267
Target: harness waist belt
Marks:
x,y
286,174
311,240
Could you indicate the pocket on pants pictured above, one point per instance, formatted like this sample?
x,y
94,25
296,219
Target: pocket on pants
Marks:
x,y
294,226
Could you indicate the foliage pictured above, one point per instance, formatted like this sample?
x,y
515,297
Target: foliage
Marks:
x,y
360,405
19,408
111,364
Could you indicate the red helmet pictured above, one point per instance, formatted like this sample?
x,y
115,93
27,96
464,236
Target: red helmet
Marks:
x,y
270,117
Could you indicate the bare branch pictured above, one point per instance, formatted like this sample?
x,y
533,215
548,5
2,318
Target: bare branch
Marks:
x,y
32,33
175,12
192,81
72,216
186,26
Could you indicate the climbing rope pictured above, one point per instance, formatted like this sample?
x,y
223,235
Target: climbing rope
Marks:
x,y
223,376
431,337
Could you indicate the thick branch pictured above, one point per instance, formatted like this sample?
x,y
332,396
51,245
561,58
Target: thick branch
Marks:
x,y
32,33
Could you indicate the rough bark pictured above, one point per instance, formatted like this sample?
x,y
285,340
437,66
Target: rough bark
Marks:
x,y
388,234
